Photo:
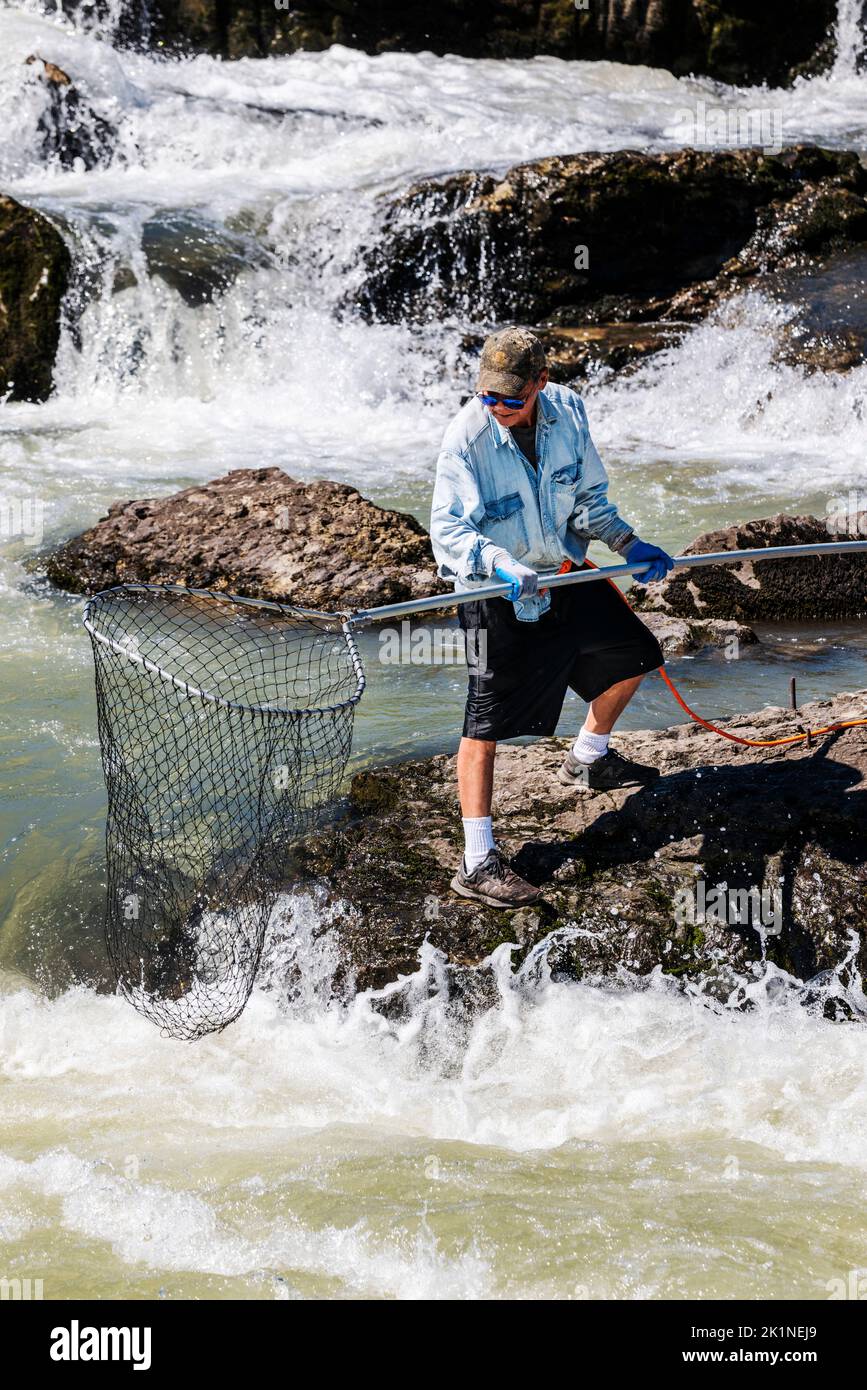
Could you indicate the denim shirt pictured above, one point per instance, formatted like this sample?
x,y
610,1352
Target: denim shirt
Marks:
x,y
487,497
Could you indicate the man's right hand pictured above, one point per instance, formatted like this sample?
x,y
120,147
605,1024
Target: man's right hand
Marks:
x,y
523,583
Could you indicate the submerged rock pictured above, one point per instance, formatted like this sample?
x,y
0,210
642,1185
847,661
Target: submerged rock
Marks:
x,y
826,586
635,881
34,275
197,257
554,241
260,533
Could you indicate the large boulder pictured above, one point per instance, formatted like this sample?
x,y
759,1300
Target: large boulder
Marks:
x,y
554,240
631,879
730,39
816,587
260,533
34,275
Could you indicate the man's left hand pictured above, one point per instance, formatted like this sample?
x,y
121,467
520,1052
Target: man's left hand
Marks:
x,y
659,561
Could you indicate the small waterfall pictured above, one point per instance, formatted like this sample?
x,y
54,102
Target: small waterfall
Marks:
x,y
120,22
851,38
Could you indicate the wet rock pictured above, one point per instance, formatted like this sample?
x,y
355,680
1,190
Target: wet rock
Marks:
x,y
629,878
733,42
770,590
72,132
728,40
826,312
796,234
260,533
34,275
682,637
822,352
578,353
554,241
198,258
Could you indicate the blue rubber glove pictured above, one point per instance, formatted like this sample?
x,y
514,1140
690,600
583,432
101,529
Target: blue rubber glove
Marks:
x,y
660,561
524,583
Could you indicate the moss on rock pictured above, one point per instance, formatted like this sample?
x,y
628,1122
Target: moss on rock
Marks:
x,y
34,275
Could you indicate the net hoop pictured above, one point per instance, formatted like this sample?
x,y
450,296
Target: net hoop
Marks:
x,y
94,604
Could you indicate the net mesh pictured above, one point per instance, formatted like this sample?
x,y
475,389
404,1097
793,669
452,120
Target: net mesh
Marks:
x,y
225,728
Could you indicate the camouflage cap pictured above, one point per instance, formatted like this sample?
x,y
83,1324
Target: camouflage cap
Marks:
x,y
510,359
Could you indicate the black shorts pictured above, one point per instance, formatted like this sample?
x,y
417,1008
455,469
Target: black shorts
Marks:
x,y
519,672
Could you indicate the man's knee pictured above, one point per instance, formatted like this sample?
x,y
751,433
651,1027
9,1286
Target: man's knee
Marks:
x,y
479,749
624,687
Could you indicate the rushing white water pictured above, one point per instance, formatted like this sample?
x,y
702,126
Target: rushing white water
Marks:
x,y
851,39
507,1151
295,151
573,1141
227,383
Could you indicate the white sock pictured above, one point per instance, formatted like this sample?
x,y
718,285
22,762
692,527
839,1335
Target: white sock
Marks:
x,y
588,747
478,839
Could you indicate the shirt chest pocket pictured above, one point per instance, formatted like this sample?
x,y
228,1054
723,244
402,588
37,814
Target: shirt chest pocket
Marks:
x,y
505,523
565,483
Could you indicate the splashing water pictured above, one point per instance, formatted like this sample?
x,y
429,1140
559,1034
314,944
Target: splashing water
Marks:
x,y
557,1121
851,36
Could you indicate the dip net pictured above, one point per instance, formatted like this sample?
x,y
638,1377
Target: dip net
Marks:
x,y
225,726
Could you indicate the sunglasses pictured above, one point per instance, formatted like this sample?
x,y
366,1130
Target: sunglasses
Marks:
x,y
510,402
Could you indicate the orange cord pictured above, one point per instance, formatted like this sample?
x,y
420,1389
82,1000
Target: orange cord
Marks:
x,y
734,738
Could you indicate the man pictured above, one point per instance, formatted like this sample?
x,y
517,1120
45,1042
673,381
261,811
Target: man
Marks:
x,y
520,489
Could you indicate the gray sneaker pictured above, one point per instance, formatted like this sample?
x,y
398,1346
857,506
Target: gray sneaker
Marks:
x,y
494,883
607,773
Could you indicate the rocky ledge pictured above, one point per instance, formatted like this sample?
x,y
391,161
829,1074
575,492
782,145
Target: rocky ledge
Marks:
x,y
729,39
553,243
827,586
636,881
321,544
260,533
